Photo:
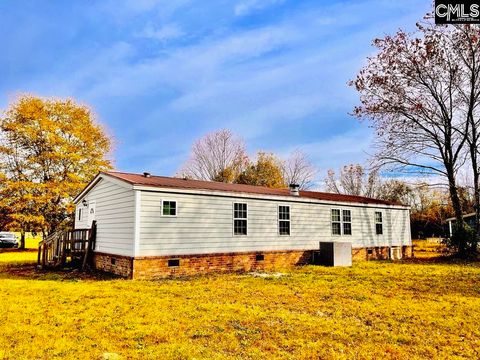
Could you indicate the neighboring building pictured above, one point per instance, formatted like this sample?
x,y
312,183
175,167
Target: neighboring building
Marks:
x,y
468,218
154,226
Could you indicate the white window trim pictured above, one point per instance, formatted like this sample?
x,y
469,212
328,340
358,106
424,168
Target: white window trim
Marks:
x,y
375,221
176,208
348,222
289,220
331,221
341,221
234,218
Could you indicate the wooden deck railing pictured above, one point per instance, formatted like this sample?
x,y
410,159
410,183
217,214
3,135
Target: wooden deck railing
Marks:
x,y
61,246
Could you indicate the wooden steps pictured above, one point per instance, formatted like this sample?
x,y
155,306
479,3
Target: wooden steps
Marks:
x,y
70,248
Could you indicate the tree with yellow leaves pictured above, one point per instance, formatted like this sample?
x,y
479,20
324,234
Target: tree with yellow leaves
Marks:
x,y
266,171
49,150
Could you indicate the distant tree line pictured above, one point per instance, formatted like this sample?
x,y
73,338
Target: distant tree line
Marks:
x,y
430,205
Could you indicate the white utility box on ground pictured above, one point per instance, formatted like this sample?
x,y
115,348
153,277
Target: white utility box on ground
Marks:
x,y
334,254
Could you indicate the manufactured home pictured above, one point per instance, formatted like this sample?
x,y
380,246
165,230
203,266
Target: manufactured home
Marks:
x,y
154,226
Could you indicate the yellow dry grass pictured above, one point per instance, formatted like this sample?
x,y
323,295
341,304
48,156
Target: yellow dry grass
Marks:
x,y
374,310
429,249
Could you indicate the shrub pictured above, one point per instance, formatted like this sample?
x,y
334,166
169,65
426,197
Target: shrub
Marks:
x,y
465,234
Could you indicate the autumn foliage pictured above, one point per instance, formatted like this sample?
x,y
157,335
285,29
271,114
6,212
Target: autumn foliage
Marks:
x,y
49,150
265,171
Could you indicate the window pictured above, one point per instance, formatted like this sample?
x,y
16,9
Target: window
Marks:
x,y
239,219
284,220
169,208
341,222
259,257
378,223
336,224
347,222
79,215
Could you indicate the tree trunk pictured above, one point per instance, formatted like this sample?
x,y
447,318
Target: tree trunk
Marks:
x,y
473,144
22,239
457,208
476,189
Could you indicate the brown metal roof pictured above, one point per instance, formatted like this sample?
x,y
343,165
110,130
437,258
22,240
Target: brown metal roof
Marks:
x,y
170,182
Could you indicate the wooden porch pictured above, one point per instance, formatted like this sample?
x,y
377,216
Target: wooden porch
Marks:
x,y
71,248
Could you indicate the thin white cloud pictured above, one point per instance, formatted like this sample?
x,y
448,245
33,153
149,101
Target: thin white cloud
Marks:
x,y
163,34
246,7
123,11
349,147
189,69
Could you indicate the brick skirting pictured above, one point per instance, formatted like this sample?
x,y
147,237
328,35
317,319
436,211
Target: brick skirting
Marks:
x,y
379,253
115,264
149,267
185,265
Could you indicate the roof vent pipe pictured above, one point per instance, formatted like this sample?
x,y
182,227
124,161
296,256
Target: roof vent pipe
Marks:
x,y
294,189
146,174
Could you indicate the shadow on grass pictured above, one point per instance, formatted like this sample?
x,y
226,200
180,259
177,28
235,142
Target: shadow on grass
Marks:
x,y
442,259
14,250
30,271
24,269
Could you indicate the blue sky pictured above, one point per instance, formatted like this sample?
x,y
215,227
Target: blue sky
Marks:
x,y
160,74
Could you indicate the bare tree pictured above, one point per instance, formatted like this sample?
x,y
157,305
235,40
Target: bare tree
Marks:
x,y
409,91
298,169
396,190
353,180
218,156
465,42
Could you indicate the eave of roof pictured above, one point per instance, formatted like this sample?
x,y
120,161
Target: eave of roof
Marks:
x,y
464,216
187,184
87,188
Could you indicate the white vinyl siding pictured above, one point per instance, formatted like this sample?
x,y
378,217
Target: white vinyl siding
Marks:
x,y
205,225
115,216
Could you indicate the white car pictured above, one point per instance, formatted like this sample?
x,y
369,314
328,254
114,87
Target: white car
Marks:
x,y
8,240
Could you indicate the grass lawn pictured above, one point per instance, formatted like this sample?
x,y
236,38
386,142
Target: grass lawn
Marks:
x,y
382,310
